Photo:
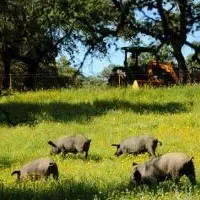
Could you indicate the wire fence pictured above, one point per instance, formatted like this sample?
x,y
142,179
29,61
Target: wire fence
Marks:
x,y
50,80
44,81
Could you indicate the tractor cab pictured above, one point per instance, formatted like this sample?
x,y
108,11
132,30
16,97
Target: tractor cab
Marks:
x,y
153,72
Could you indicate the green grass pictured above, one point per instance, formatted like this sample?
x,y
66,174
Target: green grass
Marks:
x,y
106,115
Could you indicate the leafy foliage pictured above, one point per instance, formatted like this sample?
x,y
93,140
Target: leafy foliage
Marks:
x,y
105,74
167,22
34,32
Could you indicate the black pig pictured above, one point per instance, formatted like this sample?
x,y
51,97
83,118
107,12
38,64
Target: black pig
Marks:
x,y
39,168
137,145
168,166
70,144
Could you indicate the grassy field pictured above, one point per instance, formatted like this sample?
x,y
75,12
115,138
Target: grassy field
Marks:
x,y
29,120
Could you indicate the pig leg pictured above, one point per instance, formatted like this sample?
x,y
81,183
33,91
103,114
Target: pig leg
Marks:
x,y
137,176
53,170
64,152
192,178
151,151
189,171
154,146
150,180
86,154
175,176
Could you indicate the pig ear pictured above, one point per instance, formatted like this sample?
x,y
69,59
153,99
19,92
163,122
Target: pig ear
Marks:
x,y
116,145
51,163
134,164
51,143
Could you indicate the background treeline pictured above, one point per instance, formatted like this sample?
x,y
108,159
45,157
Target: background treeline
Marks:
x,y
34,33
55,75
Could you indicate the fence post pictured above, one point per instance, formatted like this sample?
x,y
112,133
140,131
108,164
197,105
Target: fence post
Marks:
x,y
10,82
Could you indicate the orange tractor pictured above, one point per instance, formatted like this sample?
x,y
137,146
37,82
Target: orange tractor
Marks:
x,y
153,73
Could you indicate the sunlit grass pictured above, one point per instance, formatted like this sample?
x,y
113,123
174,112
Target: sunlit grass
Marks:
x,y
106,115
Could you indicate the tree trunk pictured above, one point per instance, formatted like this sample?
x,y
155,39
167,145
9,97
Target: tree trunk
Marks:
x,y
6,60
184,76
31,76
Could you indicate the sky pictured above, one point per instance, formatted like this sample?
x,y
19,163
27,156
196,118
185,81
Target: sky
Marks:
x,y
93,66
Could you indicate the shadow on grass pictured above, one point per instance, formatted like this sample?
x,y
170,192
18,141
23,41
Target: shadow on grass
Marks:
x,y
166,188
71,189
64,189
29,113
95,157
79,156
5,162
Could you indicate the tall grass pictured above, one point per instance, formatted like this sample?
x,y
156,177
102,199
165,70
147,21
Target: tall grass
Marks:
x,y
106,115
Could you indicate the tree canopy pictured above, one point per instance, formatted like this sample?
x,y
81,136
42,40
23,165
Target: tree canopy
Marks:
x,y
35,32
165,21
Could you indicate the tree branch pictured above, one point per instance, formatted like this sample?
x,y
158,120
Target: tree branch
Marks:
x,y
82,63
164,18
183,21
196,49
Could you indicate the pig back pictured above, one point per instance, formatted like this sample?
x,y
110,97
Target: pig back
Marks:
x,y
174,161
71,142
65,141
80,142
137,143
39,167
149,173
150,169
